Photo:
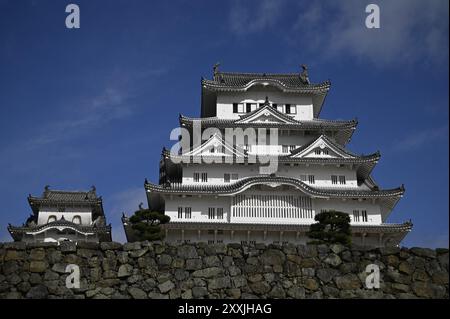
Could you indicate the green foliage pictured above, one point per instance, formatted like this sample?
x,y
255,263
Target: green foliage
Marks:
x,y
332,227
147,224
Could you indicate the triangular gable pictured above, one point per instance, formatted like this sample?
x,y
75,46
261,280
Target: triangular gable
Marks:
x,y
220,147
266,114
322,143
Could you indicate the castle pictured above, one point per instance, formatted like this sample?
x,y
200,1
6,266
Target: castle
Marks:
x,y
260,163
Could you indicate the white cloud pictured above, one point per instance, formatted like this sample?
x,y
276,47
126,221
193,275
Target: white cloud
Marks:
x,y
245,19
411,31
416,140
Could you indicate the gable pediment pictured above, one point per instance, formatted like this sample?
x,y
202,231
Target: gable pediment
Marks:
x,y
215,146
266,114
322,147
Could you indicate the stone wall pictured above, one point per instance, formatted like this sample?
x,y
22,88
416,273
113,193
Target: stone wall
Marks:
x,y
155,270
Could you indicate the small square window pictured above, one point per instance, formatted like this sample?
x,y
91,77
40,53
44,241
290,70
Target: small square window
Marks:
x,y
288,109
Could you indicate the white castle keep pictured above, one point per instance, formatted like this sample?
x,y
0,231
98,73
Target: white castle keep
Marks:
x,y
260,164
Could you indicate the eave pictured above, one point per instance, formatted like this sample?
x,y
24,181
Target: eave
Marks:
x,y
17,232
245,183
341,131
356,229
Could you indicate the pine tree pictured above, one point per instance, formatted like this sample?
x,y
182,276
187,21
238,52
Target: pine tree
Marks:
x,y
147,224
332,227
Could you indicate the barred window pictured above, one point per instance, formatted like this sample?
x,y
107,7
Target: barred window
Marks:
x,y
334,179
226,177
196,177
204,177
234,176
285,148
188,212
342,180
219,213
356,215
364,216
303,178
311,179
211,213
180,212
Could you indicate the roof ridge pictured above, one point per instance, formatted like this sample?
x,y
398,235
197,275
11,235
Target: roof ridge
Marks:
x,y
258,73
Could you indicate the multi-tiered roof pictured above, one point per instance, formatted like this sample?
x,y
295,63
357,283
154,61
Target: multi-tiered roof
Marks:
x,y
61,201
332,134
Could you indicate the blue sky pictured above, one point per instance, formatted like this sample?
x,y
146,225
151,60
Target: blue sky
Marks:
x,y
95,105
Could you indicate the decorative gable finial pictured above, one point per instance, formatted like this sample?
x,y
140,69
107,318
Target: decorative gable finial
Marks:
x,y
140,206
216,68
93,188
304,74
46,190
266,102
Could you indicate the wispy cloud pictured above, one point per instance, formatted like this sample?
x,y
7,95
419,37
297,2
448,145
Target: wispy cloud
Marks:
x,y
416,140
248,17
411,31
108,105
82,115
